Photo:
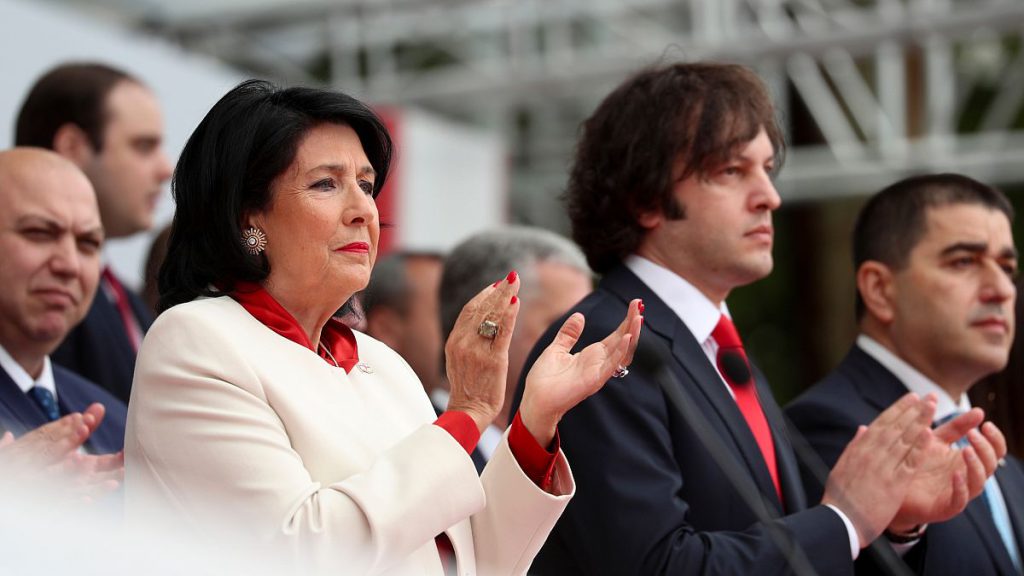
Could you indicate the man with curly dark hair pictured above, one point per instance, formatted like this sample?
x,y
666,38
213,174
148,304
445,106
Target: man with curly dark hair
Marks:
x,y
671,198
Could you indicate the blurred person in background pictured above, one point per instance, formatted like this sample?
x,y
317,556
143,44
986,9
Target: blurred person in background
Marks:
x,y
351,313
935,262
671,196
109,125
1001,395
260,421
554,276
50,236
401,309
157,252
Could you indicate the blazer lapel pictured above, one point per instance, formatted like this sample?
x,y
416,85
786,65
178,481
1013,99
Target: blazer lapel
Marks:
x,y
22,413
979,515
788,467
874,382
142,313
107,320
1011,484
692,365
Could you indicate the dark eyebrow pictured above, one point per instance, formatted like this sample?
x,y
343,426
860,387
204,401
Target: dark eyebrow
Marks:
x,y
977,248
745,158
366,170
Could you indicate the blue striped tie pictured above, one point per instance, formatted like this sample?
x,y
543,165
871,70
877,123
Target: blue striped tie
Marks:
x,y
995,502
46,401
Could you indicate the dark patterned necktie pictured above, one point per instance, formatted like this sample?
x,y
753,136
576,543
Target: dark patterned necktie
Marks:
x,y
44,398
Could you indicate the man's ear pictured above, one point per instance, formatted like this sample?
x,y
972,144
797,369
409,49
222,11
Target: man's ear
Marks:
x,y
875,283
650,219
71,142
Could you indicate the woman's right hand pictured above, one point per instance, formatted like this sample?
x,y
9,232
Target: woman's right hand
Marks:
x,y
477,366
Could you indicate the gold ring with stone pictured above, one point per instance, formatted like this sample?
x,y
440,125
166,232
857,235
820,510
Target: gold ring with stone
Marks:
x,y
488,329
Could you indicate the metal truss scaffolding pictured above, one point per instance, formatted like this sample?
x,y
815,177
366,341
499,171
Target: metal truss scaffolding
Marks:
x,y
887,87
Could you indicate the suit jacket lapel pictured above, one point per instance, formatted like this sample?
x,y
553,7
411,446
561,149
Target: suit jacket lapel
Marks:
x,y
107,319
1011,484
1011,481
692,365
874,382
24,414
981,517
142,313
785,459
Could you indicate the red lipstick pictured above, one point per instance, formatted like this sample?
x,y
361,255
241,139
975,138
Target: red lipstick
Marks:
x,y
356,247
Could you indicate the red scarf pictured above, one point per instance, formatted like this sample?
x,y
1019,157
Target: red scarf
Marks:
x,y
335,336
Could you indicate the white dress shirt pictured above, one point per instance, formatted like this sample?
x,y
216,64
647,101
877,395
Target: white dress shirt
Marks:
x,y
700,315
698,312
23,379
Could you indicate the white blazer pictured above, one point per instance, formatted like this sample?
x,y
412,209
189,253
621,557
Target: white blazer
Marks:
x,y
239,432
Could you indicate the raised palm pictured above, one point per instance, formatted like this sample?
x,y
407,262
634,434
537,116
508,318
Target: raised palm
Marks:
x,y
560,379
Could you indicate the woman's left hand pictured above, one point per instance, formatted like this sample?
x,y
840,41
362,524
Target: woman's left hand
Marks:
x,y
560,380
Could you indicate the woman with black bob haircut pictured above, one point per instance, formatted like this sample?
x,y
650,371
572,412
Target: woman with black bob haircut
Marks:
x,y
227,167
260,422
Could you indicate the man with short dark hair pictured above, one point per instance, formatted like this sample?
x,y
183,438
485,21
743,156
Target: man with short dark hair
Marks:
x,y
935,262
108,124
671,198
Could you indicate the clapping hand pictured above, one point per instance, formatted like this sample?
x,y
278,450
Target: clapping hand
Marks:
x,y
49,454
560,380
476,353
948,478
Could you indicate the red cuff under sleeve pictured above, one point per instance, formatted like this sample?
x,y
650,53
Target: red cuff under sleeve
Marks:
x,y
462,427
538,463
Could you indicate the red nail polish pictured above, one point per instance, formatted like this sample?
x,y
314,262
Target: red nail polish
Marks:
x,y
641,306
514,299
511,277
495,285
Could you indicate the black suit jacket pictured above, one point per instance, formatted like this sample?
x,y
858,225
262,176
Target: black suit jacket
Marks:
x,y
20,414
650,499
856,392
98,348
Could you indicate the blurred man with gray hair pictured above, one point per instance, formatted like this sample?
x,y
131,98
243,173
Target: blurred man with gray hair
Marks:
x,y
554,274
400,307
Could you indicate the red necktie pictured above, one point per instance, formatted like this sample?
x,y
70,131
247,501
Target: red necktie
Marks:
x,y
124,308
735,369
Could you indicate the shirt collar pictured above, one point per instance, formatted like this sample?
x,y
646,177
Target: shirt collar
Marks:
x,y
335,336
914,380
691,306
22,378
